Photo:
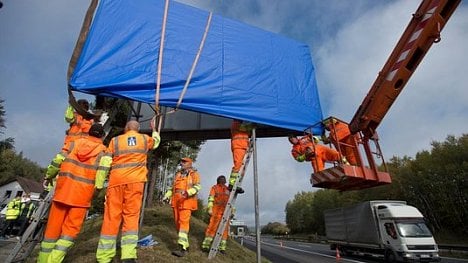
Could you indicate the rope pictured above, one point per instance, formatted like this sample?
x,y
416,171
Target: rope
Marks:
x,y
195,62
161,49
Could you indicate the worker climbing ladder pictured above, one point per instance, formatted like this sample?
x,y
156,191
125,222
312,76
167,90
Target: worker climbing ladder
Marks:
x,y
33,234
230,204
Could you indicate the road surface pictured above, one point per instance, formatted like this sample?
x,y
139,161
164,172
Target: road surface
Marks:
x,y
300,252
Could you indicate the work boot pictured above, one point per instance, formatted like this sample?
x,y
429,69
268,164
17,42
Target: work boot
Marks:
x,y
129,260
180,253
239,190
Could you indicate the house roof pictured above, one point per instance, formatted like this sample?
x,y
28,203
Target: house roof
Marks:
x,y
29,185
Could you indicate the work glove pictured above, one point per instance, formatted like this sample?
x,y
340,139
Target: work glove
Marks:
x,y
210,210
46,183
191,192
167,196
166,200
301,158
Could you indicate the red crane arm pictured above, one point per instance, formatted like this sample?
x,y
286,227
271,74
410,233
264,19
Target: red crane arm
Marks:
x,y
422,31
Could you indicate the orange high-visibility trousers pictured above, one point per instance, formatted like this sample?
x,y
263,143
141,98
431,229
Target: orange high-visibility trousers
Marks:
x,y
64,220
323,154
63,226
123,204
181,215
238,157
351,151
215,219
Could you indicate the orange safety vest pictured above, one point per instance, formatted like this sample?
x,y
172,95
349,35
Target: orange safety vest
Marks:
x,y
181,184
340,132
129,153
75,183
220,193
239,138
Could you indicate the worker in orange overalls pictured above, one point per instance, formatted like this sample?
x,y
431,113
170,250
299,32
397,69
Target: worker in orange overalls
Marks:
x,y
79,125
240,134
342,139
217,201
183,196
127,159
78,167
307,149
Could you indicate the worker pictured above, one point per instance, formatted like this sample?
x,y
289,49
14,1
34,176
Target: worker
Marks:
x,y
78,169
79,125
342,139
127,157
309,149
240,134
27,210
217,201
183,197
11,216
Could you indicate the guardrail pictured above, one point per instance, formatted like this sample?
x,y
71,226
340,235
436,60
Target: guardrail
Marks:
x,y
454,248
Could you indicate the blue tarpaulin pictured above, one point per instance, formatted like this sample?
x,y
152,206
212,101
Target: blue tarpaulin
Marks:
x,y
243,72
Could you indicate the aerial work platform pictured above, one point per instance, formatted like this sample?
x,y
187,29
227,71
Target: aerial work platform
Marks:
x,y
344,177
355,170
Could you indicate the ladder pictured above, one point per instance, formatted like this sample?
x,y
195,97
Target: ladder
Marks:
x,y
230,204
33,234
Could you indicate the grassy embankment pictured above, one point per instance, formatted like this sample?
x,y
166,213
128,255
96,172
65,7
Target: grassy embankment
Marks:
x,y
158,221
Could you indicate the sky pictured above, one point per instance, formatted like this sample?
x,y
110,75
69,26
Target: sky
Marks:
x,y
349,42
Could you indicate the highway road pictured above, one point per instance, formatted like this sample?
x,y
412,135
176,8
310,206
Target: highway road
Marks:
x,y
300,252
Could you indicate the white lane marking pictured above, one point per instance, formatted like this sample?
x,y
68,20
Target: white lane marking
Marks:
x,y
309,252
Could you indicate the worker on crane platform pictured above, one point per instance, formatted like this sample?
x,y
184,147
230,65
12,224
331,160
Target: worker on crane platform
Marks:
x,y
342,139
307,148
217,201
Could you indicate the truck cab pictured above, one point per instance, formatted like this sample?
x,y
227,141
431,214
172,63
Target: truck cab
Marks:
x,y
404,233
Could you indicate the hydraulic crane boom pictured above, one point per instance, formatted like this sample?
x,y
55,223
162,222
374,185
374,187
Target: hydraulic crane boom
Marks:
x,y
422,31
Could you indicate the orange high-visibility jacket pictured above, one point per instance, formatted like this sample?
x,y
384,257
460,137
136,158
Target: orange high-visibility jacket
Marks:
x,y
340,132
219,195
79,128
129,154
181,184
75,183
300,148
239,135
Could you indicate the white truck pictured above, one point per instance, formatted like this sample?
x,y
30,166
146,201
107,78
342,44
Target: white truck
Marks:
x,y
391,229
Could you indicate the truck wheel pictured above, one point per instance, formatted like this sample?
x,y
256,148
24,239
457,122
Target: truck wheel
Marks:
x,y
390,256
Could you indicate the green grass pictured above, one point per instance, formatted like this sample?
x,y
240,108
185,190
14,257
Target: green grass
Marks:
x,y
159,222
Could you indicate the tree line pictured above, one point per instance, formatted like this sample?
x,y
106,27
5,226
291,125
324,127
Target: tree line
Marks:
x,y
435,181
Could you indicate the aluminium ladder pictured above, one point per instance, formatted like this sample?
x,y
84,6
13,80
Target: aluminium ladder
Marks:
x,y
230,204
33,233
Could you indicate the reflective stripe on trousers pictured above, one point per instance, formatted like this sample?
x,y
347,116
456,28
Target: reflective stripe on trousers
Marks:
x,y
123,203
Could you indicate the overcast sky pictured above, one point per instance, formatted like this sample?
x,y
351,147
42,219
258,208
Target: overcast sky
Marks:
x,y
349,42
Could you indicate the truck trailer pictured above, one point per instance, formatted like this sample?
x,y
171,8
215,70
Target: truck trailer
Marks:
x,y
391,229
